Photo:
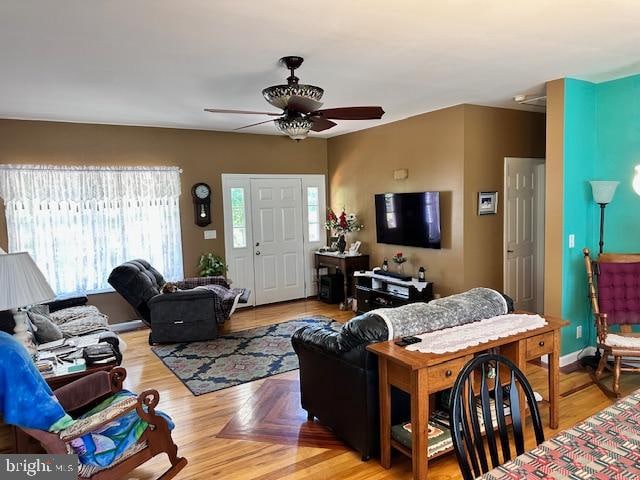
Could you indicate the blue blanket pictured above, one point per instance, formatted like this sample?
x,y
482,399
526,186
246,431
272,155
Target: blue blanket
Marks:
x,y
25,398
103,446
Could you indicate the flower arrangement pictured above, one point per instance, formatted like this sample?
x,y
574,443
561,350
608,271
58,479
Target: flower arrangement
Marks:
x,y
398,258
342,224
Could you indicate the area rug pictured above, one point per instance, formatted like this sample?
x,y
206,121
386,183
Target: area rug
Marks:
x,y
273,414
238,357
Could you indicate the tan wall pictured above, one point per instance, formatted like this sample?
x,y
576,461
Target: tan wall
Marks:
x,y
554,196
203,155
431,147
458,151
490,135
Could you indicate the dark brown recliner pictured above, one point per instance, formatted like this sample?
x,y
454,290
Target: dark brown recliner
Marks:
x,y
187,315
85,392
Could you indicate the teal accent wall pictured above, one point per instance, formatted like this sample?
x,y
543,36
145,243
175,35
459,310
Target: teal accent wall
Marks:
x,y
618,121
601,142
580,147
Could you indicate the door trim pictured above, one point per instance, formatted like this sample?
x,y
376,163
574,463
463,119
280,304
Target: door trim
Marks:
x,y
540,166
307,180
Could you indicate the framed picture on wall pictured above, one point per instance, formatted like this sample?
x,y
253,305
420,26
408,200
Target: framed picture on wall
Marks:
x,y
487,203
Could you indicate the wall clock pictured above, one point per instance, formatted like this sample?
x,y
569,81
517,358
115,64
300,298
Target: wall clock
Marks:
x,y
201,193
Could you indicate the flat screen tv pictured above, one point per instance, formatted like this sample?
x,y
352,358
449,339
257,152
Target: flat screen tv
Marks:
x,y
411,219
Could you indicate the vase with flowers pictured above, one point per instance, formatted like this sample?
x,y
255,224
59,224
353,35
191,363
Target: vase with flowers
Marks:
x,y
399,260
342,225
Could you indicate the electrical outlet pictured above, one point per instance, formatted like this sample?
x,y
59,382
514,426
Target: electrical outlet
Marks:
x,y
579,331
572,243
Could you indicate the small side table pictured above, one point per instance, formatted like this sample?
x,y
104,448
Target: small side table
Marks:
x,y
347,264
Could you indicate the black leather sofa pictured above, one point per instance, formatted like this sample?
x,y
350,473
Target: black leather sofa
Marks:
x,y
183,316
339,380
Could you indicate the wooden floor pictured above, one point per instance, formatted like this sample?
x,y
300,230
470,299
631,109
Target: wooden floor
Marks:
x,y
199,419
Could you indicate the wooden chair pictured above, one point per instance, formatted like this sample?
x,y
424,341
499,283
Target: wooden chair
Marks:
x,y
614,289
478,425
88,391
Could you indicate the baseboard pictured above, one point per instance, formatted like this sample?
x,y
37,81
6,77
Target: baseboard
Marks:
x,y
572,357
127,326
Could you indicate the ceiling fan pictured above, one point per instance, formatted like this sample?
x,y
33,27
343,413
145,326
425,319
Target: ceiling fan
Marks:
x,y
300,106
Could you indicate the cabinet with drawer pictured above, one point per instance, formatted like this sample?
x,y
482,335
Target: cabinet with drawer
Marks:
x,y
443,376
539,345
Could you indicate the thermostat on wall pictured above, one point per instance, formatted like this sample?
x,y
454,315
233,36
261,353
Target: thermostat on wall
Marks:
x,y
210,235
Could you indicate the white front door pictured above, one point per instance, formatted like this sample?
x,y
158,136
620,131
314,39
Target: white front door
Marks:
x,y
278,239
523,232
294,214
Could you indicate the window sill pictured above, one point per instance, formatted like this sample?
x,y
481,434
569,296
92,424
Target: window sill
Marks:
x,y
86,292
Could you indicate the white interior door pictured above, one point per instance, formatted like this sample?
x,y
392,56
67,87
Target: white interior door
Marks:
x,y
276,206
524,232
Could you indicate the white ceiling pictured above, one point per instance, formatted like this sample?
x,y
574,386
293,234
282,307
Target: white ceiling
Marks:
x,y
160,62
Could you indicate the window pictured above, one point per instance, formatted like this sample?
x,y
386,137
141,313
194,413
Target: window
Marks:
x,y
239,218
78,223
390,209
313,213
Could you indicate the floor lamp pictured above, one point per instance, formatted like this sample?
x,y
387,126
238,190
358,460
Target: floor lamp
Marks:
x,y
603,192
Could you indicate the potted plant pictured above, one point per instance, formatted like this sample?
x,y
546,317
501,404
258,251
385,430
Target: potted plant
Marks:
x,y
342,225
211,265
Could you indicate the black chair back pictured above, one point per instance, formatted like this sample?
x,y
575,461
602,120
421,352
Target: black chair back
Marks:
x,y
138,282
478,419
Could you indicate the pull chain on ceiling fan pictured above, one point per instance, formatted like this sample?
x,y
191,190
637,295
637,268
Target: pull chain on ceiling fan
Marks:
x,y
301,105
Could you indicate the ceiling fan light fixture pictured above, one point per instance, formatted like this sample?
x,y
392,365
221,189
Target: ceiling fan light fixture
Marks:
x,y
297,128
279,95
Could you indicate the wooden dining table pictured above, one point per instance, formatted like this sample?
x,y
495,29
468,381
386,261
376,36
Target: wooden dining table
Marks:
x,y
606,446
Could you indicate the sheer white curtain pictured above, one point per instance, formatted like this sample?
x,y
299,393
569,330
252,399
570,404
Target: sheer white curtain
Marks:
x,y
78,223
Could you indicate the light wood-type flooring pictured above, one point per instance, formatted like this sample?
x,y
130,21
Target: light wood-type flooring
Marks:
x,y
199,419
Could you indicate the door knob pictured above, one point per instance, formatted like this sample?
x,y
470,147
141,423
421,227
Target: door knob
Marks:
x,y
257,252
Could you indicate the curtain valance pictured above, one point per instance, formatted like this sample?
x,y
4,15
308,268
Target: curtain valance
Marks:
x,y
47,183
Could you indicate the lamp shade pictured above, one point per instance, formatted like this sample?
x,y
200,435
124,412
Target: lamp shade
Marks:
x,y
21,282
603,191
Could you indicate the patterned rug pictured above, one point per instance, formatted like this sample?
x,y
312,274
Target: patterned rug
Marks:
x,y
238,357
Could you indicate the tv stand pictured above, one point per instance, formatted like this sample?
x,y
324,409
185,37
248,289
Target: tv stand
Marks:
x,y
374,290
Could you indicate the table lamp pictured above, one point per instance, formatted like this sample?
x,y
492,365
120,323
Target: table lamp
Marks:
x,y
603,192
21,284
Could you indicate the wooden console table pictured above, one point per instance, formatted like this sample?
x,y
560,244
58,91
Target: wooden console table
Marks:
x,y
347,264
421,374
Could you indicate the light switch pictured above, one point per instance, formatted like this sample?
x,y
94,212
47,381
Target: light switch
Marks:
x,y
572,241
210,235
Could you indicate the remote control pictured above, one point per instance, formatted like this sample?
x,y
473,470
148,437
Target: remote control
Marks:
x,y
404,341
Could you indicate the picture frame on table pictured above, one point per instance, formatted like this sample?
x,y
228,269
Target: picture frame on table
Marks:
x,y
487,203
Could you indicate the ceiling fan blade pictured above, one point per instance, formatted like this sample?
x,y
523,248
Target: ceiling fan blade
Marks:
x,y
303,104
245,112
320,124
252,125
351,113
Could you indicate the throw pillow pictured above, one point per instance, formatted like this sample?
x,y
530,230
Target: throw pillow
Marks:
x,y
43,328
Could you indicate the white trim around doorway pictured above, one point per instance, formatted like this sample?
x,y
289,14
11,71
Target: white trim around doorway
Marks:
x,y
241,269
